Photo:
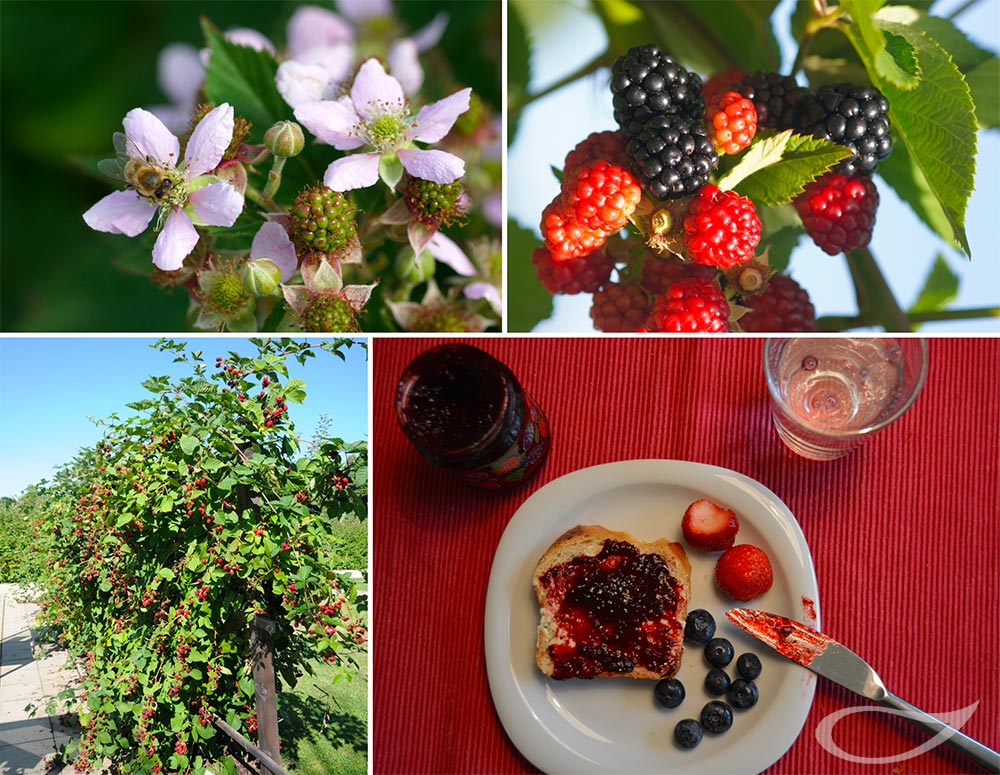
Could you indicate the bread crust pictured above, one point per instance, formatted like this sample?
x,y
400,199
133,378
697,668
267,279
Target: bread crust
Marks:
x,y
588,540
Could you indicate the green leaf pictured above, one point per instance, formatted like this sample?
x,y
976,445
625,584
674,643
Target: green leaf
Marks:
x,y
227,484
166,502
527,300
762,152
909,183
244,78
166,574
983,80
211,464
940,288
803,159
518,66
294,390
895,63
936,122
189,444
779,247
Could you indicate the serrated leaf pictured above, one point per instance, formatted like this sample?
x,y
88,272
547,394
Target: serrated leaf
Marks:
x,y
803,160
189,444
940,288
295,390
762,153
896,64
244,78
527,300
936,122
909,183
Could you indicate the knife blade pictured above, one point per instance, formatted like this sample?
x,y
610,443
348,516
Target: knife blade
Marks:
x,y
824,656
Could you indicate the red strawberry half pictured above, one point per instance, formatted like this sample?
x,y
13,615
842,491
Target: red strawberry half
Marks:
x,y
744,572
709,527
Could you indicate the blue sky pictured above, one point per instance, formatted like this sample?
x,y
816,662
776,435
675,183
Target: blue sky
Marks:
x,y
565,36
49,386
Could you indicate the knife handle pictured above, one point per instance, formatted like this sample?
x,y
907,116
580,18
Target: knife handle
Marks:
x,y
975,751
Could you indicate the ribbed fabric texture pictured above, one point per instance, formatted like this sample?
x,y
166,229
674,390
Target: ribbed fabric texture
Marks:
x,y
904,533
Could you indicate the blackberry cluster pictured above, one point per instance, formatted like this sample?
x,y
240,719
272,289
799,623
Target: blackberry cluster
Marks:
x,y
659,106
852,116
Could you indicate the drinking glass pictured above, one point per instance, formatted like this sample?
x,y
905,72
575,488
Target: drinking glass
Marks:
x,y
830,395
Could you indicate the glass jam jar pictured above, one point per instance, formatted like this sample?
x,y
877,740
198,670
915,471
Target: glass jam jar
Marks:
x,y
465,411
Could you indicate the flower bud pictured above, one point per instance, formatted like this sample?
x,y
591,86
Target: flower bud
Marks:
x,y
261,277
285,139
412,272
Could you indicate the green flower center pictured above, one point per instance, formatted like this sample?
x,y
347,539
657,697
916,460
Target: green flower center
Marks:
x,y
387,131
226,294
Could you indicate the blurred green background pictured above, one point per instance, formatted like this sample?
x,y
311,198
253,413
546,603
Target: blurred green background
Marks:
x,y
69,72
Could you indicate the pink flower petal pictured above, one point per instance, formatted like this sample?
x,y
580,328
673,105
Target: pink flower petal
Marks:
x,y
359,10
310,27
435,166
405,66
428,36
483,291
373,91
175,242
272,241
123,212
179,73
448,252
174,117
209,141
357,171
300,83
244,36
151,137
217,204
332,122
434,121
337,59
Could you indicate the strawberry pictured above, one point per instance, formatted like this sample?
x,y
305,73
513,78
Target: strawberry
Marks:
x,y
709,527
744,572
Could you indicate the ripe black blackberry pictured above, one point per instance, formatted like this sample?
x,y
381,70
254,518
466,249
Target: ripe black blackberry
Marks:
x,y
647,82
775,97
673,155
853,116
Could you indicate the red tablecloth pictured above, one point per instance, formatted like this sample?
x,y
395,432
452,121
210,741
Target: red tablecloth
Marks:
x,y
904,536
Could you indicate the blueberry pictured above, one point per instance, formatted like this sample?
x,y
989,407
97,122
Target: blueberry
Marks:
x,y
719,652
700,626
743,694
669,692
687,733
716,717
748,666
716,682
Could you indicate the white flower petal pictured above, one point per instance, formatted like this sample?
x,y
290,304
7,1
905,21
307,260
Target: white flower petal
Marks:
x,y
244,36
151,137
493,208
272,241
175,242
405,66
217,204
332,122
174,117
435,166
428,36
301,83
180,73
374,90
434,121
337,59
357,171
448,252
123,212
310,27
483,291
209,141
359,10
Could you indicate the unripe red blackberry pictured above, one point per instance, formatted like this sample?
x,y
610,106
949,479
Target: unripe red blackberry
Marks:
x,y
322,219
620,308
784,307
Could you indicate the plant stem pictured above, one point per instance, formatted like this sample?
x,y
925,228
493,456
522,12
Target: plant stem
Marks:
x,y
962,8
875,298
602,60
845,322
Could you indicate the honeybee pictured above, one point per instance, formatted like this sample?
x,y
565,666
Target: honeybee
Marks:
x,y
142,173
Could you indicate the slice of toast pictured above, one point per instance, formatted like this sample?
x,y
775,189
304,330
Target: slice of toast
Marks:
x,y
611,605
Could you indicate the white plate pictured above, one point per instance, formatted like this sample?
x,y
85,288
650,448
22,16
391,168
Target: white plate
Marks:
x,y
613,725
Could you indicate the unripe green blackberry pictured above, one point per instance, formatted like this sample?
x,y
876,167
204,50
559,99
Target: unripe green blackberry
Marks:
x,y
440,203
329,313
322,219
439,320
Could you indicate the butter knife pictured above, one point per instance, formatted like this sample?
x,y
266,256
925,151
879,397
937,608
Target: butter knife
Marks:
x,y
828,658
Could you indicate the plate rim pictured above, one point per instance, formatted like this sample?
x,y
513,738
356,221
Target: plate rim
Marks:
x,y
522,727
